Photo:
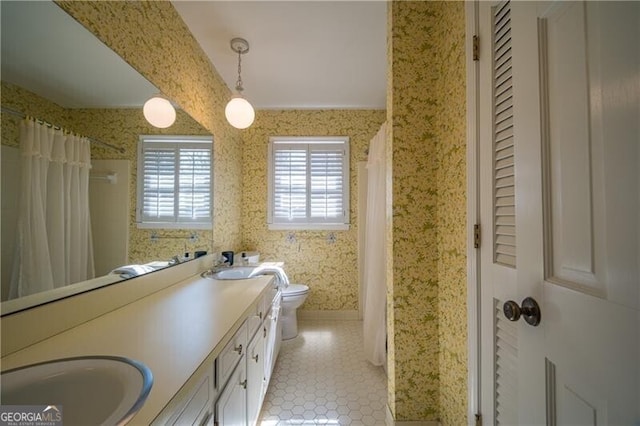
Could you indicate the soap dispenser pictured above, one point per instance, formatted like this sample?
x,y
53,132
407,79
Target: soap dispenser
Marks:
x,y
228,257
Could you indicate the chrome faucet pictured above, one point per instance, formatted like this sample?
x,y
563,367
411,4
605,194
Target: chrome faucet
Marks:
x,y
220,264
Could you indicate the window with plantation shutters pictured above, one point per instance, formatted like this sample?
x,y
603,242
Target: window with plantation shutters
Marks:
x,y
308,183
174,182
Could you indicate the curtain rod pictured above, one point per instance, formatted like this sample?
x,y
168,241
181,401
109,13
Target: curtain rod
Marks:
x,y
92,140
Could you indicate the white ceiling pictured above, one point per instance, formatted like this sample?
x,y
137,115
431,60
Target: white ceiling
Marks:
x,y
46,51
303,54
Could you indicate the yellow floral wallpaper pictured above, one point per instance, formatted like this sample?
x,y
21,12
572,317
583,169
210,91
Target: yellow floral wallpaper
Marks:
x,y
426,107
151,37
23,101
391,349
450,134
426,181
119,127
329,269
415,286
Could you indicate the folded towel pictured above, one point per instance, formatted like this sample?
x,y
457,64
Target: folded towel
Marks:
x,y
130,271
157,264
282,280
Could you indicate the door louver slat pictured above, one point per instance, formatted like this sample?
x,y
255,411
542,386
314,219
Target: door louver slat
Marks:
x,y
504,232
506,372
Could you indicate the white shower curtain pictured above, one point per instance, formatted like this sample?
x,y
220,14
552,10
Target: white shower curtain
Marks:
x,y
375,285
54,246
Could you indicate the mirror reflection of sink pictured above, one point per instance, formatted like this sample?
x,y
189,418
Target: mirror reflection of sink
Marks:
x,y
91,390
232,273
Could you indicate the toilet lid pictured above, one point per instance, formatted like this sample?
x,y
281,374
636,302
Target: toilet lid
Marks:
x,y
294,289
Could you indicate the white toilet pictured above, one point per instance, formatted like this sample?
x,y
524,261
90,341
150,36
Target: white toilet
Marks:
x,y
293,296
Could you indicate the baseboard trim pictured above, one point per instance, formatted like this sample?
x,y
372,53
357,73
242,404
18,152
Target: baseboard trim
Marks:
x,y
391,422
327,315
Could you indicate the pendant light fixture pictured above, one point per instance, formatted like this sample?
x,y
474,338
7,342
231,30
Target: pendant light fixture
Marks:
x,y
239,112
159,112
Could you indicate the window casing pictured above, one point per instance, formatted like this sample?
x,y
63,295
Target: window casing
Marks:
x,y
175,182
308,183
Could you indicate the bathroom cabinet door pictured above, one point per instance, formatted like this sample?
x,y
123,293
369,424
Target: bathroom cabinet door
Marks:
x,y
198,409
273,336
193,404
255,376
231,408
269,346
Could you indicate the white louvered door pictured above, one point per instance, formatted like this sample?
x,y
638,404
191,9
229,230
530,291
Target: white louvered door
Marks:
x,y
499,349
574,244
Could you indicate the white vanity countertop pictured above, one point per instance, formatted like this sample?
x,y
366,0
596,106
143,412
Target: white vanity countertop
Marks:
x,y
172,331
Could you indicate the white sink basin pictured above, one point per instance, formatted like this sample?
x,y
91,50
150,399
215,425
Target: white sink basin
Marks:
x,y
233,273
92,390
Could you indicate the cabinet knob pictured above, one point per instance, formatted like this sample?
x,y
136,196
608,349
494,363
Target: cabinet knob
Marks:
x,y
260,315
264,332
238,349
244,384
255,357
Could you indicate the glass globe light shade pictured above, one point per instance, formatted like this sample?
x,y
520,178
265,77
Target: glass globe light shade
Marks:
x,y
159,112
239,112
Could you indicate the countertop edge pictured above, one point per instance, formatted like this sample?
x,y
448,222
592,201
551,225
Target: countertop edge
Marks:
x,y
170,350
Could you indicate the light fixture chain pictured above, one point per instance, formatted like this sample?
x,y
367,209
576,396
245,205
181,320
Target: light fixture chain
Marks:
x,y
239,87
239,112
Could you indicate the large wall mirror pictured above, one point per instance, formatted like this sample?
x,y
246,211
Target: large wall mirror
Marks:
x,y
56,71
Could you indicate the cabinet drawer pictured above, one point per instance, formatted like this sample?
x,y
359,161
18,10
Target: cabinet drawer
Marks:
x,y
231,355
255,318
270,296
199,408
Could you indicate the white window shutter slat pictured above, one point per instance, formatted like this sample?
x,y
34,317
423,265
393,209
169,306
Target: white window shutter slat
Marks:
x,y
159,184
290,184
309,181
327,184
194,184
175,185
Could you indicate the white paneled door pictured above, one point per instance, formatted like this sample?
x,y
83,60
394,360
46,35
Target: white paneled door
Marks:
x,y
560,212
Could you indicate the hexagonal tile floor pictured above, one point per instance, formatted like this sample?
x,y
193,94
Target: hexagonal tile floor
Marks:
x,y
323,378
